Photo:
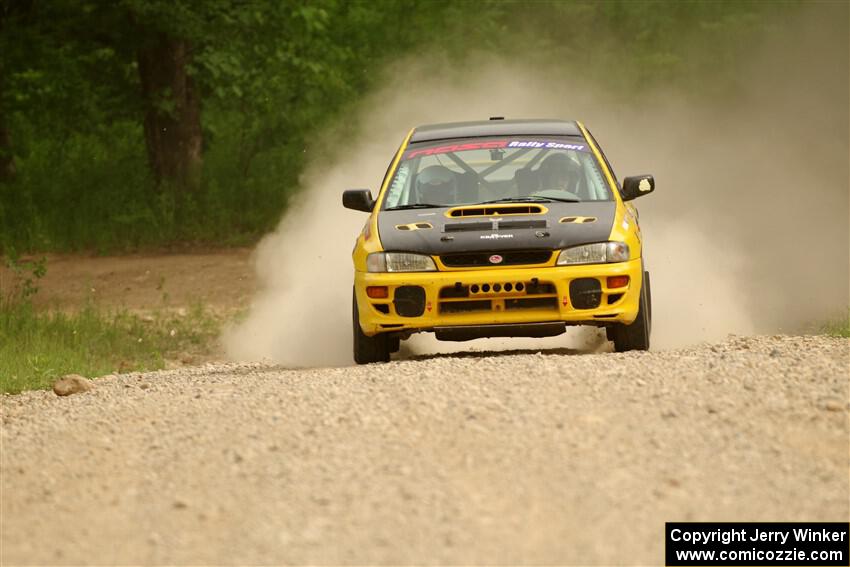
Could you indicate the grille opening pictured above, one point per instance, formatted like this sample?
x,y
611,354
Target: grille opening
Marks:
x,y
409,300
391,325
509,258
382,307
452,292
531,303
531,288
614,298
604,316
423,225
466,306
539,289
498,210
585,293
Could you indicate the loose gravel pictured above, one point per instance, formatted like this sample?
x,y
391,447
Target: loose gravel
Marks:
x,y
500,459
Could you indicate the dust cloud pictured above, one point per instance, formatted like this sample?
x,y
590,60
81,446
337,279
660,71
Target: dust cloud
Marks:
x,y
746,233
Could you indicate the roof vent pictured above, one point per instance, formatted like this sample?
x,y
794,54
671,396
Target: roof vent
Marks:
x,y
497,118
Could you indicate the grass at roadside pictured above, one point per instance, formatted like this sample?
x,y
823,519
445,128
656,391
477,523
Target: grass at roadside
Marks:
x,y
838,328
38,347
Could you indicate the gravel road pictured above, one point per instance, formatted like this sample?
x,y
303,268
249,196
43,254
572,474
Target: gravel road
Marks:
x,y
500,459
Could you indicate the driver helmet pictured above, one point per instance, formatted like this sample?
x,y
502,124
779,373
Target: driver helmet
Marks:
x,y
436,184
559,171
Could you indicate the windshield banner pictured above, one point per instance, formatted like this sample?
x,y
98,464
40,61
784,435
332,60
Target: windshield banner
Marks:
x,y
496,144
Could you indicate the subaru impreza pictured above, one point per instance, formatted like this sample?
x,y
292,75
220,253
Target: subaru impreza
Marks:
x,y
499,228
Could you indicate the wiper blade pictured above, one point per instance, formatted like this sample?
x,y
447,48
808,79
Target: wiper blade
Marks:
x,y
516,200
562,199
413,206
532,199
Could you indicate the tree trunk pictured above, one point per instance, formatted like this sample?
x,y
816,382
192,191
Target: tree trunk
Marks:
x,y
172,113
7,158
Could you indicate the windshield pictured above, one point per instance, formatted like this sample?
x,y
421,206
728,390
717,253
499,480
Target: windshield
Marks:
x,y
479,170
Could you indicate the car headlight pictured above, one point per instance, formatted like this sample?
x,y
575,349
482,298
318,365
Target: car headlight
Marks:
x,y
600,253
399,262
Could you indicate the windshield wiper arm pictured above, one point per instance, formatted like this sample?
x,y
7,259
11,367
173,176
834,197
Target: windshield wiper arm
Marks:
x,y
515,200
562,199
531,199
413,206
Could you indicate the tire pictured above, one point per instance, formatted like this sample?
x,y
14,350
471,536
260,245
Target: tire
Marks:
x,y
368,349
636,335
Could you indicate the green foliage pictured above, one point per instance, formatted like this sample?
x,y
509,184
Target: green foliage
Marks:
x,y
272,73
839,327
26,274
36,348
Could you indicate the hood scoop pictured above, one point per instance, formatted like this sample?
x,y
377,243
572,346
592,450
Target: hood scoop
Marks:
x,y
495,210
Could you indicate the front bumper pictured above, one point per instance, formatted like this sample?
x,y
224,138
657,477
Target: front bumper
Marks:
x,y
423,301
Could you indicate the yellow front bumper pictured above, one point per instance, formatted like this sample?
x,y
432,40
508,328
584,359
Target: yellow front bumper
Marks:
x,y
618,305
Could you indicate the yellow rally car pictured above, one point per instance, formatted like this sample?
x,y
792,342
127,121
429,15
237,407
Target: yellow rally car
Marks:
x,y
499,228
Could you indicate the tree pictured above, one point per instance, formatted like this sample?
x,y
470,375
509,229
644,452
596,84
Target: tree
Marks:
x,y
172,106
7,157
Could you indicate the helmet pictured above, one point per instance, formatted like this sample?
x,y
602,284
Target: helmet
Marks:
x,y
558,171
436,184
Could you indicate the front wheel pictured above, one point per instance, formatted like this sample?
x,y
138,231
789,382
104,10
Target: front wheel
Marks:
x,y
368,349
636,335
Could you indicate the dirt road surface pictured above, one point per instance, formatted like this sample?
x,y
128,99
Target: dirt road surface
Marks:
x,y
222,280
500,459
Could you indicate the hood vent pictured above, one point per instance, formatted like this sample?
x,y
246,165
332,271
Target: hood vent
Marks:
x,y
414,226
578,220
494,210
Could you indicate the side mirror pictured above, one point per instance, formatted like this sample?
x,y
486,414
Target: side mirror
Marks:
x,y
358,199
637,186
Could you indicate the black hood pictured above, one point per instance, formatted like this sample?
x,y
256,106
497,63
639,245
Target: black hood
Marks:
x,y
430,231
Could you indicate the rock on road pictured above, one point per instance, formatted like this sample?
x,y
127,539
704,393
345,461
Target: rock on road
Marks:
x,y
511,458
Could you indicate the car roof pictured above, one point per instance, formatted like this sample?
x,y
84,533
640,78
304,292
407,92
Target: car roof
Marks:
x,y
496,127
